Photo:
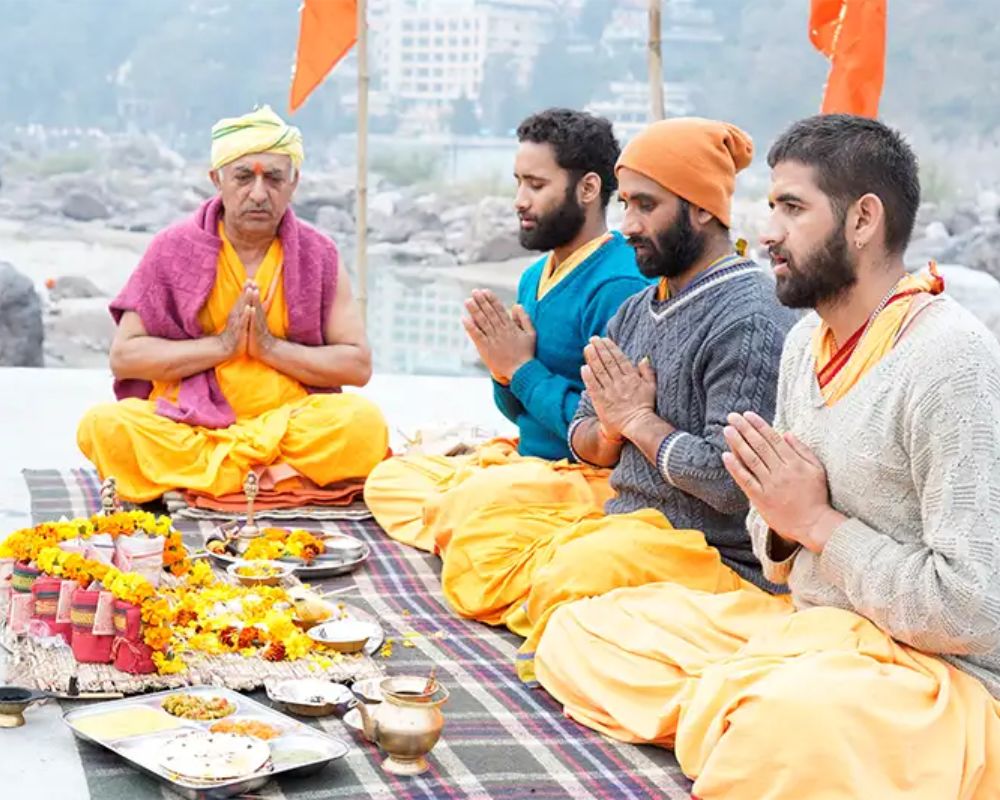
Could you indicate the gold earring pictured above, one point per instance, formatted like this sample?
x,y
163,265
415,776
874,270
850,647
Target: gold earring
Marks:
x,y
859,244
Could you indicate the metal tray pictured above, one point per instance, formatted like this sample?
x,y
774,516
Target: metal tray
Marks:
x,y
318,569
139,750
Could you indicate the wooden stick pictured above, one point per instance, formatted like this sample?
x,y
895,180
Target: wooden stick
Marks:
x,y
341,590
429,686
361,197
656,60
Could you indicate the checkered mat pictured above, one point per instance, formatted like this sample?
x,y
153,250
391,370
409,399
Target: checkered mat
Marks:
x,y
501,739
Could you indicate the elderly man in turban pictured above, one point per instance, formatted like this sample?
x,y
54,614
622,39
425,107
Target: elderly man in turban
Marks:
x,y
677,359
235,334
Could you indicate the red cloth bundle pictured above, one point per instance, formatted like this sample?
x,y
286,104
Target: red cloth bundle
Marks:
x,y
93,626
130,653
24,576
45,591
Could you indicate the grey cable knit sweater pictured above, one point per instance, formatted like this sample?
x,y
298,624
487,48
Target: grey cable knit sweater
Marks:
x,y
716,349
912,455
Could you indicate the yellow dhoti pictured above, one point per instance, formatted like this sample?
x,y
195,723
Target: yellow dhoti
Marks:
x,y
324,437
419,499
518,541
764,703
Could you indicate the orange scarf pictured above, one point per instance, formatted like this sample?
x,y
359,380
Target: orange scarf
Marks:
x,y
838,369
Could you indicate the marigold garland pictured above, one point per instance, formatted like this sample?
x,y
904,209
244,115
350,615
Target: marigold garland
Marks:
x,y
201,614
27,543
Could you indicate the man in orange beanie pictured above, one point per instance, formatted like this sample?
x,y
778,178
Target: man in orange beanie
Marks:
x,y
677,359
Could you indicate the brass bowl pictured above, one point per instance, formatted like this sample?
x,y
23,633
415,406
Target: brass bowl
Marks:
x,y
280,572
13,701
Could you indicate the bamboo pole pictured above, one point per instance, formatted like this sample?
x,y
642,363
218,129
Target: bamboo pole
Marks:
x,y
656,60
361,196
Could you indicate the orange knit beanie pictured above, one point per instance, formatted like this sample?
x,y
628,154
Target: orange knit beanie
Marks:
x,y
694,158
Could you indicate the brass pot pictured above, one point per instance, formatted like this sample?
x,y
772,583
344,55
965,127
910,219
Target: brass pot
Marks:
x,y
407,724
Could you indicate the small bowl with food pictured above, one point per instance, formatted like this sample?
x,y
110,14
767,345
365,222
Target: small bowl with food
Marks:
x,y
197,706
340,549
342,635
311,697
259,573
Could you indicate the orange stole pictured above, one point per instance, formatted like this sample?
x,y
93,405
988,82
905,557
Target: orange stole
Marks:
x,y
838,369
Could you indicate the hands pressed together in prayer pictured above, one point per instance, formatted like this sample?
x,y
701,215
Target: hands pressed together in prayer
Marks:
x,y
623,394
246,330
505,341
783,480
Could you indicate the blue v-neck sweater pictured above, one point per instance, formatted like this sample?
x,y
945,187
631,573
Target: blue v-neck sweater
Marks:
x,y
544,393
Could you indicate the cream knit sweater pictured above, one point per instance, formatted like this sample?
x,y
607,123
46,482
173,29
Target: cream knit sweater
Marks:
x,y
912,455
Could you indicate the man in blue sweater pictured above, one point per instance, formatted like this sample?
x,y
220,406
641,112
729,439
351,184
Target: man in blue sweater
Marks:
x,y
564,169
678,357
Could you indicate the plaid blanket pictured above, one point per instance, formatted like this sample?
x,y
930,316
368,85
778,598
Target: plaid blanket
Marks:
x,y
501,739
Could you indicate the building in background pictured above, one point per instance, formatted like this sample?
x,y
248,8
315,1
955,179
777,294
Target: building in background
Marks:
x,y
627,104
431,53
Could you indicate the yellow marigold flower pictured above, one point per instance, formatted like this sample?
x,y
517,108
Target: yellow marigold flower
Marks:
x,y
201,574
166,665
206,643
157,637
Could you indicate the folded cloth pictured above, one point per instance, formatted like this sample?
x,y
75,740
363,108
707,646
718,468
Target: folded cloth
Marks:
x,y
334,496
141,554
281,486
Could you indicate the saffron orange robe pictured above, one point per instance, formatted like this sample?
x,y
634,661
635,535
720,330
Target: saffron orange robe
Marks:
x,y
324,437
761,701
521,540
416,498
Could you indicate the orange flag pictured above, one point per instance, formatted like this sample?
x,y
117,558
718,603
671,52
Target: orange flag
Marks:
x,y
328,29
851,34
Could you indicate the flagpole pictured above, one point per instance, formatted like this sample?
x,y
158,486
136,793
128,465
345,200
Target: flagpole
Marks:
x,y
656,60
361,198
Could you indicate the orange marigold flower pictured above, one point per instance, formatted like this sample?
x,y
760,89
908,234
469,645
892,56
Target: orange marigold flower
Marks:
x,y
229,636
274,652
185,617
309,552
249,637
158,637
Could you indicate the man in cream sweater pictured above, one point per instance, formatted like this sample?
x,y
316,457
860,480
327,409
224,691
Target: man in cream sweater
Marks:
x,y
874,497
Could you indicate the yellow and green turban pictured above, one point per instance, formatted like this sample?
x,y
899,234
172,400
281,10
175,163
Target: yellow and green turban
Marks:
x,y
260,131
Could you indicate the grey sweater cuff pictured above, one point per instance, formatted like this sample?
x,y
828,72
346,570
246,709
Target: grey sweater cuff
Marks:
x,y
663,454
846,551
569,440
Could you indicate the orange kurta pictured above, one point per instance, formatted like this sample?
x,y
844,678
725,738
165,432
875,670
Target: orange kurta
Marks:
x,y
325,437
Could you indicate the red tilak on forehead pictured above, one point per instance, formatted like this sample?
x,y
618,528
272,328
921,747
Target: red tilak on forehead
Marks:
x,y
258,168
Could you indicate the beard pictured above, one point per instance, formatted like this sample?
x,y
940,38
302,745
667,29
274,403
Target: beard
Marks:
x,y
822,276
673,252
557,228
